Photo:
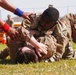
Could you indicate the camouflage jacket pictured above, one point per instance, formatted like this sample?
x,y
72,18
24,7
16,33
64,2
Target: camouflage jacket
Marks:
x,y
70,22
14,46
59,31
64,30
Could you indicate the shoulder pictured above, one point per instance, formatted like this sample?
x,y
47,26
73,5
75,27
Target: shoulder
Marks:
x,y
32,23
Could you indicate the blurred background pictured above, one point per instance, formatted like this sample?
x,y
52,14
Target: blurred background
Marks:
x,y
38,6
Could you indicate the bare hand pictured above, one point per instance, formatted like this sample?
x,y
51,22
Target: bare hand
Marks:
x,y
41,49
27,15
13,34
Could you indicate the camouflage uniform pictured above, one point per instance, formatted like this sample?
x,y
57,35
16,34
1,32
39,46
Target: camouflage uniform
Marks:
x,y
64,33
69,20
42,37
13,46
61,31
10,22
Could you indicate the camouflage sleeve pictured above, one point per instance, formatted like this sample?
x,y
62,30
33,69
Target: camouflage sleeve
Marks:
x,y
73,27
25,34
61,36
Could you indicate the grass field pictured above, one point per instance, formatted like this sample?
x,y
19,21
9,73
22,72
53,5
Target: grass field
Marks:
x,y
63,67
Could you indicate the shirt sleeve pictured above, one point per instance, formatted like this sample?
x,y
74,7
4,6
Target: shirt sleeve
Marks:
x,y
25,34
61,36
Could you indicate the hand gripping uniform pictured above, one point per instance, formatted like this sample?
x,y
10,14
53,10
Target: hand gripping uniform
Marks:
x,y
60,34
43,36
63,32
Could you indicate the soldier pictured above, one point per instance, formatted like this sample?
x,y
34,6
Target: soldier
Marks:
x,y
59,28
10,21
70,22
44,35
14,46
46,25
21,53
42,27
18,52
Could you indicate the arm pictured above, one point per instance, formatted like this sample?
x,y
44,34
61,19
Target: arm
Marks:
x,y
10,31
61,36
40,48
8,6
5,27
27,36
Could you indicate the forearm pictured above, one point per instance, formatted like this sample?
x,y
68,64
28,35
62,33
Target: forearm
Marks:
x,y
33,41
8,6
39,47
30,38
4,26
1,23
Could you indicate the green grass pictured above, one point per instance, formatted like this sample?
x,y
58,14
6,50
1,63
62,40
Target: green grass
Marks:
x,y
62,67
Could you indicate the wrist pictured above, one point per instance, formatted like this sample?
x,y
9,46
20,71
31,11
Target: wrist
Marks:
x,y
37,45
34,42
18,12
5,27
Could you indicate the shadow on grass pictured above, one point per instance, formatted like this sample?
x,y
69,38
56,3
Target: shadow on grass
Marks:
x,y
6,61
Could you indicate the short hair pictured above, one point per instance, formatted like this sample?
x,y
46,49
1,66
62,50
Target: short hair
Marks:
x,y
51,13
26,57
8,15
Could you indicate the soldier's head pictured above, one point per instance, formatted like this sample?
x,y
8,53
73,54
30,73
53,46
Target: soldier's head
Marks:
x,y
9,16
26,56
49,17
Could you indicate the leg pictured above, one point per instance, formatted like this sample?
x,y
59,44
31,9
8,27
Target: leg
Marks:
x,y
4,53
